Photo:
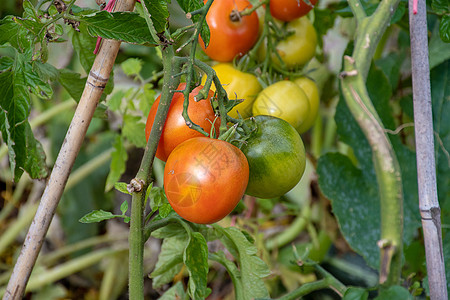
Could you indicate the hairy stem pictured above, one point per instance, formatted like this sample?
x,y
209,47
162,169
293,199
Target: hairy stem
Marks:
x,y
143,177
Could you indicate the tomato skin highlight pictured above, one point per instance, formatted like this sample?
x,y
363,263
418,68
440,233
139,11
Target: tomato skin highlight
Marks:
x,y
288,10
204,179
229,38
276,157
239,86
175,130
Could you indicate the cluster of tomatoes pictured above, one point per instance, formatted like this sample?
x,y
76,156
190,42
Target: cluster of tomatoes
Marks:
x,y
297,100
205,177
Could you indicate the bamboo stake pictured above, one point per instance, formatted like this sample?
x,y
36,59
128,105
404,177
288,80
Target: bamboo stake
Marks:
x,y
96,82
426,165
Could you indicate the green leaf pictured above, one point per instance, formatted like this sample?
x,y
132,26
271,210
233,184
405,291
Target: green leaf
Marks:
x,y
97,216
175,292
134,130
146,98
353,293
122,187
13,33
438,49
119,157
25,152
124,207
6,63
440,6
394,292
196,260
440,96
165,209
252,268
72,82
171,230
45,71
159,13
326,22
446,252
444,29
84,46
170,260
132,66
115,100
192,5
123,26
34,27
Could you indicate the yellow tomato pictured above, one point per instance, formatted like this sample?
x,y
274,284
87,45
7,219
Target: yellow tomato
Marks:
x,y
296,49
285,100
312,92
239,86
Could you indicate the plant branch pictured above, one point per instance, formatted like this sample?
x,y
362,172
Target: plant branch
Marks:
x,y
96,82
358,10
370,30
143,178
426,165
387,171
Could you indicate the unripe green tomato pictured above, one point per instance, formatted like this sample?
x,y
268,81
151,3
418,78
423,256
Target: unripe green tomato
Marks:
x,y
239,86
312,92
285,100
275,155
296,49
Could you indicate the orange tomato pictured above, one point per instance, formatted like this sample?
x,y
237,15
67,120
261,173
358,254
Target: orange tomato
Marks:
x,y
175,130
231,35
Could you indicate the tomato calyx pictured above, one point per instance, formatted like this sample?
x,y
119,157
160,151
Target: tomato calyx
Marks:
x,y
235,16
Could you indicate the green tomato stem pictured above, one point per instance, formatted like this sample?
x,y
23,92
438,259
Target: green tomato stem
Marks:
x,y
355,70
143,178
387,171
190,68
288,235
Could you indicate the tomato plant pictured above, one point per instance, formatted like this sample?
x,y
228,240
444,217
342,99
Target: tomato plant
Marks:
x,y
205,178
175,130
231,34
288,10
239,86
312,93
285,100
276,157
297,48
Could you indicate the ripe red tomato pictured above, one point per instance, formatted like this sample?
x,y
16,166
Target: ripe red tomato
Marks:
x,y
205,178
230,37
288,10
175,130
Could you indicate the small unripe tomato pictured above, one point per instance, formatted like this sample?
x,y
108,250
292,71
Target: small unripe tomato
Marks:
x,y
239,86
312,92
231,34
285,100
288,10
